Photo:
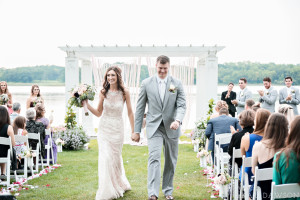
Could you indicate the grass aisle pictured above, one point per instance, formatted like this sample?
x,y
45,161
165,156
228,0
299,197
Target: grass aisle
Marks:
x,y
77,178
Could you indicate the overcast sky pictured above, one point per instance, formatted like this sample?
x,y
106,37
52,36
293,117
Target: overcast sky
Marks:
x,y
255,30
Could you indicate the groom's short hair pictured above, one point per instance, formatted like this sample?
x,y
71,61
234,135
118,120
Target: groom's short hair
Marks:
x,y
163,59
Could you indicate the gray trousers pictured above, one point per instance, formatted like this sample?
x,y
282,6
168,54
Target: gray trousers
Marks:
x,y
155,144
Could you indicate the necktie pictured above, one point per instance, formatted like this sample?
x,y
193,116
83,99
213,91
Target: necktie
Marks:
x,y
162,88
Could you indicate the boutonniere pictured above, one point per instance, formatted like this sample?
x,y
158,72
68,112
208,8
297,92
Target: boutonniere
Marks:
x,y
172,88
267,93
242,94
292,91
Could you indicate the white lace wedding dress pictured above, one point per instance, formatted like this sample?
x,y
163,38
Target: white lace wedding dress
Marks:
x,y
112,180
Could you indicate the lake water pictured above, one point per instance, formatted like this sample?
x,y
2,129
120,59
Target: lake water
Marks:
x,y
54,97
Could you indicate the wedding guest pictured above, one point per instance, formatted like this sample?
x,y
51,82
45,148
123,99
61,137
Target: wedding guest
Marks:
x,y
4,90
228,96
286,167
256,106
220,125
35,97
249,104
40,117
35,127
242,96
246,121
6,131
248,140
19,129
220,104
290,95
16,111
276,132
268,96
287,111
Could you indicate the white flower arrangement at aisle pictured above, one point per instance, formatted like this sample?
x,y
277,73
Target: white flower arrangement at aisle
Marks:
x,y
29,153
197,141
222,179
59,142
3,99
202,153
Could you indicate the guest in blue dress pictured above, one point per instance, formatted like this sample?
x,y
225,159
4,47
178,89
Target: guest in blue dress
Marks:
x,y
248,140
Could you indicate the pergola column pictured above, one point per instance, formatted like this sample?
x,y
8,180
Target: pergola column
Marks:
x,y
86,77
207,83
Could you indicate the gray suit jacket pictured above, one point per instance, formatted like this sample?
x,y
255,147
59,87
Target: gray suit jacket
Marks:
x,y
219,125
295,98
241,98
268,100
172,108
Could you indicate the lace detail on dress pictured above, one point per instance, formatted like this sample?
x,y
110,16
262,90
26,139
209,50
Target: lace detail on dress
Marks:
x,y
112,179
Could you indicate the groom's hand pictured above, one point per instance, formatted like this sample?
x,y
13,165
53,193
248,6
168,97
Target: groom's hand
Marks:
x,y
175,125
135,137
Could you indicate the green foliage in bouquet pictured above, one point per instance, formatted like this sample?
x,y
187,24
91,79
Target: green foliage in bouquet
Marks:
x,y
74,139
199,131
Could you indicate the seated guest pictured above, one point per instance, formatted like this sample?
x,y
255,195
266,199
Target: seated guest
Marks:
x,y
16,111
276,132
249,104
6,131
220,104
246,122
220,125
40,117
35,127
248,140
256,106
19,129
286,168
287,111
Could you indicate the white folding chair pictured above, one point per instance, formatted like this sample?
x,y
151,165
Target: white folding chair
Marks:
x,y
36,136
236,153
20,138
247,162
49,147
224,156
217,150
285,191
261,175
6,160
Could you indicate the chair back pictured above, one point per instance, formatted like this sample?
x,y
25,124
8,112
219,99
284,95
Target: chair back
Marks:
x,y
261,175
21,138
236,153
285,191
224,138
34,136
247,162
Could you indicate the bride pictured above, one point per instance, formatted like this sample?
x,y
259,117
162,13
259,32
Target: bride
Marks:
x,y
112,180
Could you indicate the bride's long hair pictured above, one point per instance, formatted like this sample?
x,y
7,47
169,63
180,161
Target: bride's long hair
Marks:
x,y
120,82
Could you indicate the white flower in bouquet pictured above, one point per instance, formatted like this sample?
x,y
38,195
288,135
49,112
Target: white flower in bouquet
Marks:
x,y
80,95
202,153
3,99
29,153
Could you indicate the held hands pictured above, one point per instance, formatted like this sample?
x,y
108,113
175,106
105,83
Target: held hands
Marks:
x,y
289,98
234,102
135,137
175,125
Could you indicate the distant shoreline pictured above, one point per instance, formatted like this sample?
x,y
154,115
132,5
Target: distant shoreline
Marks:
x,y
40,84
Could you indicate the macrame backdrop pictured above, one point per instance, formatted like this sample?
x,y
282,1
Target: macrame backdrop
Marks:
x,y
131,77
186,73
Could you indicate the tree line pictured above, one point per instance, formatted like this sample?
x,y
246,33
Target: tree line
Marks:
x,y
228,72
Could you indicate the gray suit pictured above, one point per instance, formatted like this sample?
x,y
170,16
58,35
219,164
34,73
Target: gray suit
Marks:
x,y
160,115
295,98
268,100
241,98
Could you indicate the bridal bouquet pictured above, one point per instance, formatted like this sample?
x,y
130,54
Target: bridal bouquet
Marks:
x,y
3,99
80,94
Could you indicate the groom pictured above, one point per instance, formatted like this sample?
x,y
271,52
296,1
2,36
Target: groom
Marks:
x,y
166,108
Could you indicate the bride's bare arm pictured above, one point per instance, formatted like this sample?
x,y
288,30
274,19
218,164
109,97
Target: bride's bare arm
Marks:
x,y
129,109
99,110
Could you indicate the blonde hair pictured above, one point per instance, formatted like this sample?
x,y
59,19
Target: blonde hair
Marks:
x,y
287,111
221,104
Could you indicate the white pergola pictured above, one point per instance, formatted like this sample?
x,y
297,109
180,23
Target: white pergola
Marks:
x,y
207,68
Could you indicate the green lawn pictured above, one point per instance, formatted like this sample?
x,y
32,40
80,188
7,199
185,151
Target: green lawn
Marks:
x,y
77,178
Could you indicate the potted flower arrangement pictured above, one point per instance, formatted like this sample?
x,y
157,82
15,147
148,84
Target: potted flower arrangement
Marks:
x,y
202,154
29,154
59,143
222,181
